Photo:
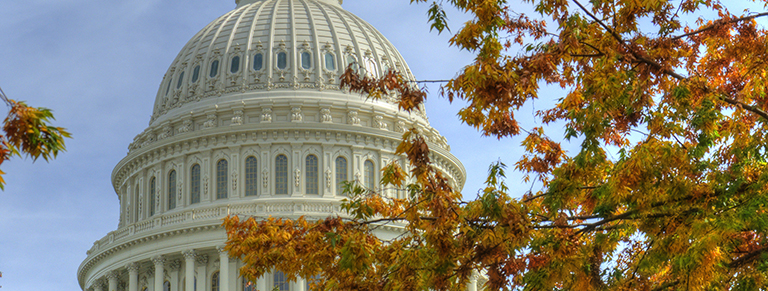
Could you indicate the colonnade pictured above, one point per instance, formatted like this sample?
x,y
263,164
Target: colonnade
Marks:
x,y
152,274
194,273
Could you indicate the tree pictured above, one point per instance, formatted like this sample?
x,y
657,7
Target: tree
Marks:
x,y
27,133
668,190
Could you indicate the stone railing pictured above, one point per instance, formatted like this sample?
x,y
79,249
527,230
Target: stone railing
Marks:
x,y
283,207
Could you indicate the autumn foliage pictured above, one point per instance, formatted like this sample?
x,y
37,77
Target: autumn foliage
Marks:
x,y
667,190
27,132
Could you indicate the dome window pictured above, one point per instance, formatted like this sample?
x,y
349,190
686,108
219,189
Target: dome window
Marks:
x,y
152,196
172,190
214,68
251,180
168,88
221,179
258,61
306,60
281,174
234,67
330,63
195,184
181,78
282,60
369,173
196,73
352,61
312,175
341,173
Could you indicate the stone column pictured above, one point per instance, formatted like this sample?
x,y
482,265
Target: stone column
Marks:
x,y
159,272
174,267
299,285
202,274
472,285
189,269
261,283
133,276
223,269
112,280
98,285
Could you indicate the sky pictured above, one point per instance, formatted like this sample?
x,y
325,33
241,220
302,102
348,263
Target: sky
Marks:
x,y
98,65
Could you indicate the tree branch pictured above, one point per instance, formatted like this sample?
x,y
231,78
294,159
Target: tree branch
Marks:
x,y
713,25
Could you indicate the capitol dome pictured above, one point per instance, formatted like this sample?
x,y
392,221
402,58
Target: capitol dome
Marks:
x,y
249,120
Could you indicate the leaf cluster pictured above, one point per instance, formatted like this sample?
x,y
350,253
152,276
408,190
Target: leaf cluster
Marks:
x,y
666,191
27,132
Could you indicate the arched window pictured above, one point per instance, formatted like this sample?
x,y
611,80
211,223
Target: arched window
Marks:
x,y
258,61
138,202
181,78
282,60
351,60
341,173
172,190
306,60
194,190
279,282
311,176
281,174
251,179
234,67
214,69
196,73
215,281
369,174
248,285
330,63
168,88
166,286
152,196
221,179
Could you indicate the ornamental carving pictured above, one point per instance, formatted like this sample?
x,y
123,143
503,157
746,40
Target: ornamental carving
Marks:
x,y
205,186
296,115
327,118
186,126
297,177
238,118
400,126
265,177
266,115
210,122
166,132
234,180
379,123
352,118
328,176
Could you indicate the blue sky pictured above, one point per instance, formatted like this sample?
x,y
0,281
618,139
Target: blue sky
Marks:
x,y
98,65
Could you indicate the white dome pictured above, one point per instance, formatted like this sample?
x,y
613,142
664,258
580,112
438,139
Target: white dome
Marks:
x,y
267,133
266,45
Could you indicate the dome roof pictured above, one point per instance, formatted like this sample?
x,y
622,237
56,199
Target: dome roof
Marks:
x,y
266,45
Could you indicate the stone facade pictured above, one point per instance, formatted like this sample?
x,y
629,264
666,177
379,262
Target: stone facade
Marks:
x,y
269,133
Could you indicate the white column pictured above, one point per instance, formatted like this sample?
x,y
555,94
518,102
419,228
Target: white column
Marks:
x,y
159,272
299,284
472,285
202,274
112,280
224,269
98,285
189,269
174,267
261,283
133,276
